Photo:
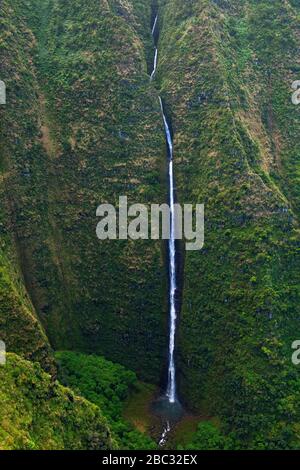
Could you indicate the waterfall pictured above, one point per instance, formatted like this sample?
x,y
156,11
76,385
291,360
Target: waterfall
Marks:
x,y
156,49
171,385
155,64
154,26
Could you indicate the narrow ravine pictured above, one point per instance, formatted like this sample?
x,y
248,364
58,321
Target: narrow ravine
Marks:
x,y
170,410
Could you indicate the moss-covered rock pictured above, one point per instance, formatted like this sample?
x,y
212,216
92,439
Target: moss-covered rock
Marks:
x,y
39,414
82,127
19,152
225,71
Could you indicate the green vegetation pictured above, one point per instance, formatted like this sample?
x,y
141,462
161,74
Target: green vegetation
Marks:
x,y
208,437
39,414
107,385
82,126
19,149
138,408
225,71
80,102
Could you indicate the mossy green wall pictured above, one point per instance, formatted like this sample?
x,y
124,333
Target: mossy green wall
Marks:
x,y
21,156
223,67
39,414
87,130
83,126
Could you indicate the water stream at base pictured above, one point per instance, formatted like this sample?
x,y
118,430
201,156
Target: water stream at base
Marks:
x,y
164,436
169,406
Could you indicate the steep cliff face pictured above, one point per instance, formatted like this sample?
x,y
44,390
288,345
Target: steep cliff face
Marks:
x,y
226,70
110,144
82,127
21,192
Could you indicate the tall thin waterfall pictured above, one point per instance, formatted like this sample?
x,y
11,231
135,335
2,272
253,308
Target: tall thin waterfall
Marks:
x,y
171,386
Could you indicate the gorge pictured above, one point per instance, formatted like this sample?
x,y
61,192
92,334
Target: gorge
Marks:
x,y
91,328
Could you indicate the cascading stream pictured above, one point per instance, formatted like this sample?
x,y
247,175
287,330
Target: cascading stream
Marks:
x,y
156,49
171,385
163,438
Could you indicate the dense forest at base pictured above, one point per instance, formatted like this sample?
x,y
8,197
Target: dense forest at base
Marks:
x,y
82,126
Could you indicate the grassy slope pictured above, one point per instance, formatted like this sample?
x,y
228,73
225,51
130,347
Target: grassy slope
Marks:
x,y
225,71
39,414
94,132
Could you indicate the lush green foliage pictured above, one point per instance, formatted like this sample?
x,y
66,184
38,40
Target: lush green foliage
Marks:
x,y
19,149
37,413
225,71
80,102
81,127
208,437
107,385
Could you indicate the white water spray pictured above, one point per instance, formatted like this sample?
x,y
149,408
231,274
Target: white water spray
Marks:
x,y
164,435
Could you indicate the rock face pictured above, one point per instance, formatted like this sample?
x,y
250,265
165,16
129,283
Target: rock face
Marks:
x,y
226,70
82,126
